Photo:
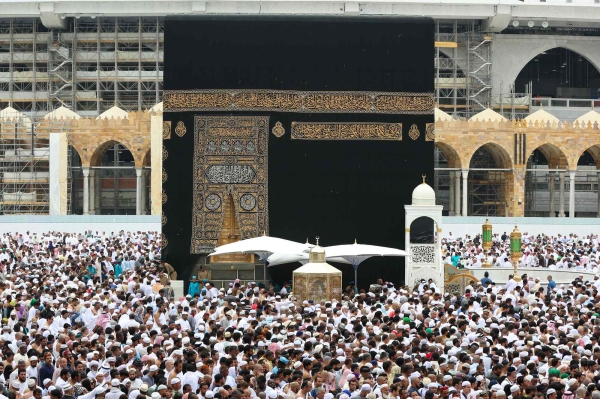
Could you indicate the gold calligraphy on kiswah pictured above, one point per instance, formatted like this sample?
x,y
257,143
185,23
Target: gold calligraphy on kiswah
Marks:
x,y
346,131
298,101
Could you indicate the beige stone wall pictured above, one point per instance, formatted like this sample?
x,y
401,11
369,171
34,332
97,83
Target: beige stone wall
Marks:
x,y
562,144
511,143
91,137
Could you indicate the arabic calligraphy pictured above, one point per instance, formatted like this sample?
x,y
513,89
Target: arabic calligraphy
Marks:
x,y
298,101
346,131
230,174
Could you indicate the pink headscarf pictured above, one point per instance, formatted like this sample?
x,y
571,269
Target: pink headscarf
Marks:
x,y
343,379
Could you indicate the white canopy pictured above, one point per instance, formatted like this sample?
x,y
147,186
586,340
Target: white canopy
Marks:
x,y
279,258
352,251
263,246
488,115
358,253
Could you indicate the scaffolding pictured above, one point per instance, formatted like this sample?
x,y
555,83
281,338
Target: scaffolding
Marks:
x,y
462,68
24,165
450,79
94,64
486,186
60,72
479,67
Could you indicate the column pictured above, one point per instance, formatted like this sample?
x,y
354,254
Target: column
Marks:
x,y
572,193
156,162
457,193
451,195
598,194
561,194
551,183
98,192
93,192
407,262
58,170
144,176
86,190
439,265
138,191
465,190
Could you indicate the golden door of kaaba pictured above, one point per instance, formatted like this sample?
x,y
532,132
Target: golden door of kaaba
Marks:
x,y
230,182
230,232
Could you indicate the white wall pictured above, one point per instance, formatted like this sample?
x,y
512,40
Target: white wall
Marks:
x,y
460,226
78,223
510,53
499,275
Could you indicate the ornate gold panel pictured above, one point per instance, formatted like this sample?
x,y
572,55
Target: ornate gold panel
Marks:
x,y
166,130
346,131
414,132
180,129
300,291
317,286
430,132
298,101
230,232
335,287
278,130
230,167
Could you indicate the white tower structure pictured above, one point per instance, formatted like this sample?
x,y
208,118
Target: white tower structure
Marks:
x,y
425,261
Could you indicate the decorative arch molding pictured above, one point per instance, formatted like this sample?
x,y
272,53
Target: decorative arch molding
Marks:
x,y
554,153
512,52
452,156
100,150
498,150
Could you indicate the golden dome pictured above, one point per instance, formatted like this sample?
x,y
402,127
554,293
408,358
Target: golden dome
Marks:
x,y
316,255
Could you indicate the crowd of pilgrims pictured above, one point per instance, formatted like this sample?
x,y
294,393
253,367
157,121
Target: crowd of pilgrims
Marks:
x,y
539,250
94,315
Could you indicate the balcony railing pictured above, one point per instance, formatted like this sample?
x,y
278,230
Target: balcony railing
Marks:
x,y
565,102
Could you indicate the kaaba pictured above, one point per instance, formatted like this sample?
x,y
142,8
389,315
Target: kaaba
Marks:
x,y
295,127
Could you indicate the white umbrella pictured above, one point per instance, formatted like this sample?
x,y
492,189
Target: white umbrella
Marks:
x,y
355,254
279,258
263,246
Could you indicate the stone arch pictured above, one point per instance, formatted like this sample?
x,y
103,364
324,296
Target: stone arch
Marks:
x,y
147,158
498,152
78,152
451,155
594,151
487,180
555,156
100,150
513,59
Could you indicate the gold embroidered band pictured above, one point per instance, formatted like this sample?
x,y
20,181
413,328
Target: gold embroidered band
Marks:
x,y
346,131
298,101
